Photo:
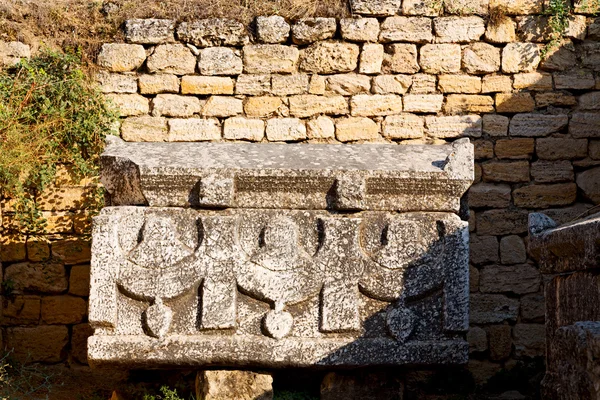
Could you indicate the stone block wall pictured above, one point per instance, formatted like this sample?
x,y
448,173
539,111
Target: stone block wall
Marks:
x,y
398,72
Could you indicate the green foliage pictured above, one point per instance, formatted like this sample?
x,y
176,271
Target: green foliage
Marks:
x,y
49,115
8,286
558,22
166,394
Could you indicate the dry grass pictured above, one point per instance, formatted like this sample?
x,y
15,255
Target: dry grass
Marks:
x,y
88,24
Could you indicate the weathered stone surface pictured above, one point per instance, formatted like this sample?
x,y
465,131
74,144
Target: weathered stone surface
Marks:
x,y
483,249
45,343
364,105
172,105
440,58
264,106
465,103
79,280
81,333
512,250
46,277
561,148
454,126
21,310
195,84
533,307
533,81
589,182
330,57
585,125
495,125
529,340
226,384
502,222
555,99
284,85
12,52
193,129
423,103
489,195
395,84
458,29
285,129
375,7
219,61
119,57
515,148
361,385
116,83
256,85
347,84
272,29
63,309
239,128
213,32
371,58
144,129
423,83
129,104
544,196
310,30
459,84
171,59
428,8
158,83
464,7
552,171
477,339
270,58
496,83
513,172
500,341
149,31
320,128
518,7
222,106
562,58
536,125
400,58
518,279
501,30
309,105
514,102
492,308
355,128
520,57
406,29
404,126
359,29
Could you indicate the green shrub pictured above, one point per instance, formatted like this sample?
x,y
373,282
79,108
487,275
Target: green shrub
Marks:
x,y
50,114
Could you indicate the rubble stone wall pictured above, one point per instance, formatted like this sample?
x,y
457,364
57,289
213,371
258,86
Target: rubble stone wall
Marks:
x,y
405,73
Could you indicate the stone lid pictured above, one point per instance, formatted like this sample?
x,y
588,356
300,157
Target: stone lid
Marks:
x,y
288,176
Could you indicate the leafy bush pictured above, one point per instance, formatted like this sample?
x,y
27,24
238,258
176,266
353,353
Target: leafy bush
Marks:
x,y
49,115
166,394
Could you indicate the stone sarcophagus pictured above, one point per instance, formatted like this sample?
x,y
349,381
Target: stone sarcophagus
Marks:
x,y
227,254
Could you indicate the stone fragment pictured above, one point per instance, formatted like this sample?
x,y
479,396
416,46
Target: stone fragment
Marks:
x,y
536,125
310,30
458,29
515,148
501,29
355,128
464,103
196,84
11,53
149,30
364,105
517,279
347,84
561,148
403,126
213,32
500,341
222,106
481,58
129,104
171,59
320,128
359,29
423,103
375,7
514,102
513,172
116,83
552,171
520,57
589,182
233,384
428,8
489,195
46,277
172,105
512,250
79,280
285,129
285,85
440,58
400,58
193,129
239,128
270,58
308,105
529,340
330,57
63,309
492,308
219,61
263,106
45,343
562,57
454,126
459,84
544,196
144,129
477,339
371,58
495,125
406,29
585,125
119,57
533,81
483,249
158,83
496,83
255,85
361,385
272,29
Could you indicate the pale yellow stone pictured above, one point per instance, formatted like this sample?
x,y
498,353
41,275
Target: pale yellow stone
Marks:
x,y
371,58
129,104
464,7
447,127
533,81
520,57
481,58
394,84
347,84
400,58
285,85
496,83
330,57
514,102
355,128
403,126
406,29
423,103
158,83
173,105
120,57
193,129
222,106
423,83
502,29
458,29
270,58
430,8
263,106
308,105
316,85
467,103
196,84
285,129
440,58
459,84
239,128
172,59
255,85
144,129
364,105
320,128
518,7
359,29
117,83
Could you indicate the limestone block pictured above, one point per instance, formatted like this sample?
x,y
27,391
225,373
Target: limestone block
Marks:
x,y
500,341
537,125
361,385
12,52
495,125
552,171
21,310
173,105
529,340
310,30
489,195
440,58
403,126
484,149
391,84
589,101
79,280
63,309
496,83
359,29
309,105
196,84
464,7
458,29
81,333
255,85
477,339
428,8
544,196
561,57
71,250
158,83
320,128
285,85
556,148
514,102
45,343
400,58
233,384
239,128
116,83
219,61
594,149
406,29
533,81
364,105
493,308
193,129
272,29
316,85
533,307
555,99
585,125
454,126
45,277
483,370
264,106
481,58
375,7
520,57
589,53
518,7
347,84
512,250
483,249
513,172
270,58
423,83
37,250
129,104
330,57
502,222
515,148
588,182
144,129
501,30
213,32
533,28
149,31
355,128
468,103
371,58
119,57
459,84
423,103
285,129
171,59
222,106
